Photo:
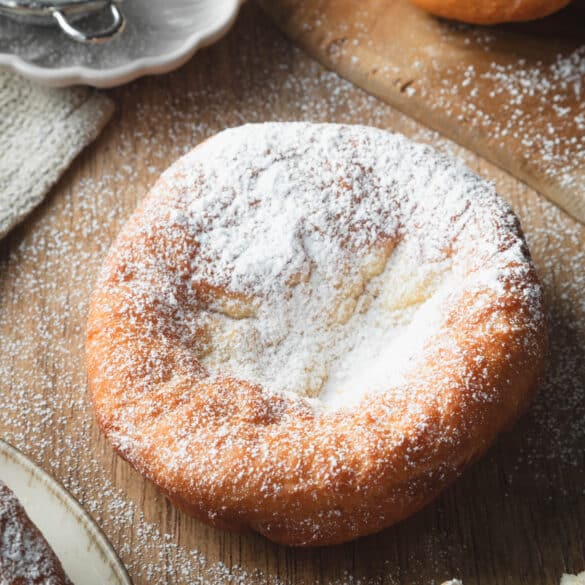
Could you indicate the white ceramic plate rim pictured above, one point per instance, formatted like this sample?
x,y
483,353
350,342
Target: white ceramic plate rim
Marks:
x,y
73,507
64,76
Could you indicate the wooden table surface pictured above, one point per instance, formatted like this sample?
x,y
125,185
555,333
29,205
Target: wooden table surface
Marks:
x,y
516,518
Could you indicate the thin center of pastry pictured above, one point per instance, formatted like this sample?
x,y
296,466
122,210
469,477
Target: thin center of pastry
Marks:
x,y
333,339
319,278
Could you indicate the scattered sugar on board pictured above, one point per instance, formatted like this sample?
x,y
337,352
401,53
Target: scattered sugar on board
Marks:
x,y
534,108
51,276
525,93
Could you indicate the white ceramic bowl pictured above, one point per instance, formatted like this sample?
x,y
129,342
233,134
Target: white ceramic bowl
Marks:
x,y
86,555
160,35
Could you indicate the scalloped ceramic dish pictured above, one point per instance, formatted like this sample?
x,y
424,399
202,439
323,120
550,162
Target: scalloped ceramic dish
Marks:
x,y
159,37
86,555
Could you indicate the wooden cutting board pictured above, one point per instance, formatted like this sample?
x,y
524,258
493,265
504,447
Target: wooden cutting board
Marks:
x,y
514,94
515,518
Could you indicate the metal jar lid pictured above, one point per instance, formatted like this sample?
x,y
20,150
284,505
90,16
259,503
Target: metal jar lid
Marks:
x,y
65,13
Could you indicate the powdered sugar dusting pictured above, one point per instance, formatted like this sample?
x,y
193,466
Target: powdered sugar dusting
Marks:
x,y
329,262
194,365
25,556
515,92
46,277
573,579
541,107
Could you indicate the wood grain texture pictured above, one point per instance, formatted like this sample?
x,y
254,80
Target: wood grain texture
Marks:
x,y
515,518
495,90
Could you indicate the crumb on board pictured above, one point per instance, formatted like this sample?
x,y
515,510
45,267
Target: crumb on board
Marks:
x,y
573,579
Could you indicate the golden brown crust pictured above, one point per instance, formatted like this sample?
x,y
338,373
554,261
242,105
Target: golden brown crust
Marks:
x,y
492,11
236,456
391,493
